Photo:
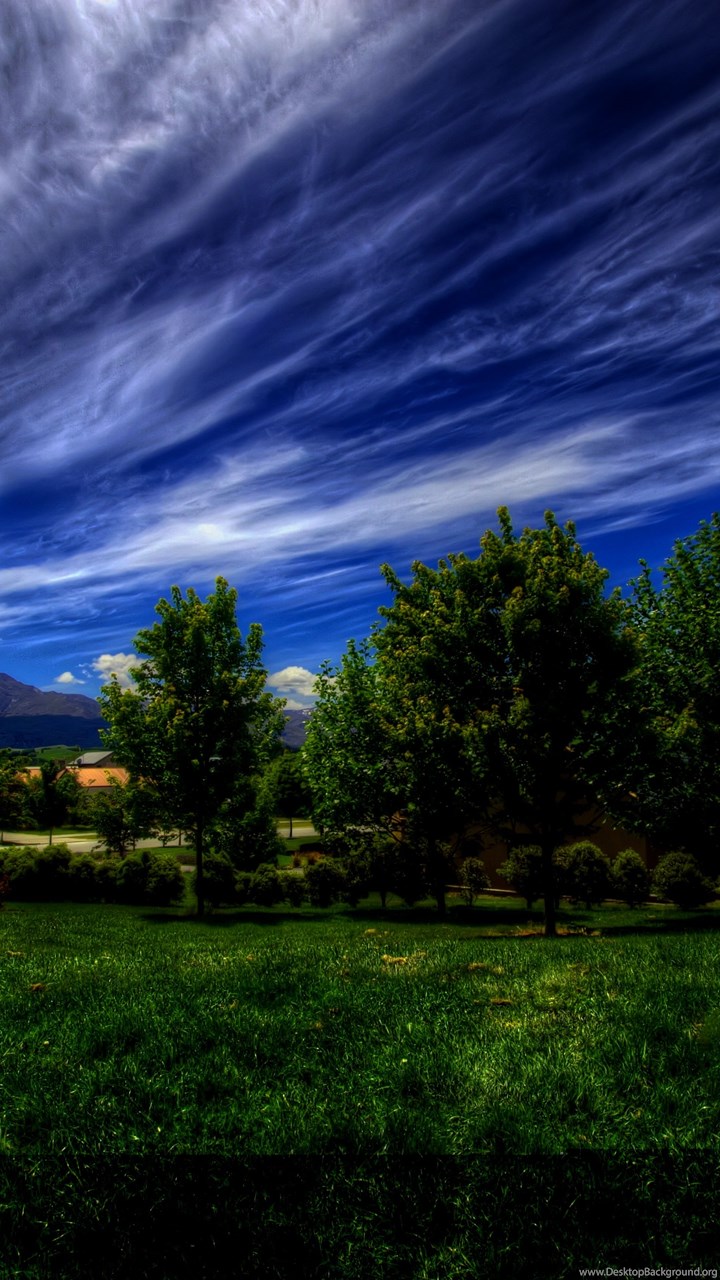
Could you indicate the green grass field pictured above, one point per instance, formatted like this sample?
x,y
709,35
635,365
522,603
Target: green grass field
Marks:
x,y
372,1095
295,1033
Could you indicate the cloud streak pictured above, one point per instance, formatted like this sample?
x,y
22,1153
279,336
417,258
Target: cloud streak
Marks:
x,y
294,286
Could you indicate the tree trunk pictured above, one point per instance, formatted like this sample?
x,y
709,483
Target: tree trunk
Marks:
x,y
199,886
290,831
548,848
436,867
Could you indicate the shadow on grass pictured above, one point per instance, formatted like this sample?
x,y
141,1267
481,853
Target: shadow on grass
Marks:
x,y
574,923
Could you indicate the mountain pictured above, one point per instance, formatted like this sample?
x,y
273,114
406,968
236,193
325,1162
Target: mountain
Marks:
x,y
31,718
294,732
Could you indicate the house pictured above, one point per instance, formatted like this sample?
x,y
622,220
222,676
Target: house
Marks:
x,y
93,760
98,781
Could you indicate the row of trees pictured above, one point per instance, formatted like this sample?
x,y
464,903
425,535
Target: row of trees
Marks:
x,y
512,695
503,694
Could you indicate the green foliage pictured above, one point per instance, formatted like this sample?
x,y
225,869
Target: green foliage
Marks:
x,y
150,877
199,718
677,798
293,888
289,788
348,760
629,878
473,879
678,878
523,870
266,888
325,882
37,875
246,829
51,796
219,879
12,792
584,872
509,682
124,814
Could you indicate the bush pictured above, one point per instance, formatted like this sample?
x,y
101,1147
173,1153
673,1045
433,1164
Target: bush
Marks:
x,y
473,879
293,888
266,888
677,878
38,875
243,887
150,878
325,882
82,878
584,872
218,879
523,872
405,872
629,878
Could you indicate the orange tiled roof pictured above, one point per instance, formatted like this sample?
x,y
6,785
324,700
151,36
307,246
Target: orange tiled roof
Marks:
x,y
100,777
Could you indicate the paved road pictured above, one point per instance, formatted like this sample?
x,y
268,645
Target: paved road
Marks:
x,y
84,844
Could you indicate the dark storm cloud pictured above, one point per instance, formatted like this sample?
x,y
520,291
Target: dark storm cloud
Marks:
x,y
298,284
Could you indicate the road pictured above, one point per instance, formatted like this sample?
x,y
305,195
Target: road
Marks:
x,y
84,844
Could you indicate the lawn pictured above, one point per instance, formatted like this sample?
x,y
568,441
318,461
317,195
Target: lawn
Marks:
x,y
374,1094
301,1033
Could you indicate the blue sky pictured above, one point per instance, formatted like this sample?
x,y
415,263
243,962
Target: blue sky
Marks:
x,y
294,287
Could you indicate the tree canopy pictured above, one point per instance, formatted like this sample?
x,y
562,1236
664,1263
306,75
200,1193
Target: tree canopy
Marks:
x,y
679,623
198,717
510,678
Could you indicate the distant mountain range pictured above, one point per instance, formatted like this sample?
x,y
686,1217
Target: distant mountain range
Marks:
x,y
31,718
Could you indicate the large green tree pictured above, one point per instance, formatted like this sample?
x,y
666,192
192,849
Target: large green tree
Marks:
x,y
511,690
199,717
12,791
348,758
678,796
289,788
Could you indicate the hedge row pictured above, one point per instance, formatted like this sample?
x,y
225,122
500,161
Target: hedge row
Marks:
x,y
150,877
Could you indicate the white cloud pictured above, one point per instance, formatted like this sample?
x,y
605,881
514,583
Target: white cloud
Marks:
x,y
67,677
118,664
294,680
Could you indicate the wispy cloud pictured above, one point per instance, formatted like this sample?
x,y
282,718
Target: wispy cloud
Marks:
x,y
294,286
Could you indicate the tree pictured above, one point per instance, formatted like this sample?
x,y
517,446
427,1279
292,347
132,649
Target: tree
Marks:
x,y
511,689
124,814
291,791
678,797
12,791
51,796
199,717
347,757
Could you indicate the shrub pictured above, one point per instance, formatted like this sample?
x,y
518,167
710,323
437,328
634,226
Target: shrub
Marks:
x,y
82,878
406,873
677,878
266,888
218,879
584,872
243,887
38,875
522,870
325,882
629,878
473,879
293,888
150,877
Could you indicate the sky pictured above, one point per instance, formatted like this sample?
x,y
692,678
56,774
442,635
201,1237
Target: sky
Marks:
x,y
291,288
